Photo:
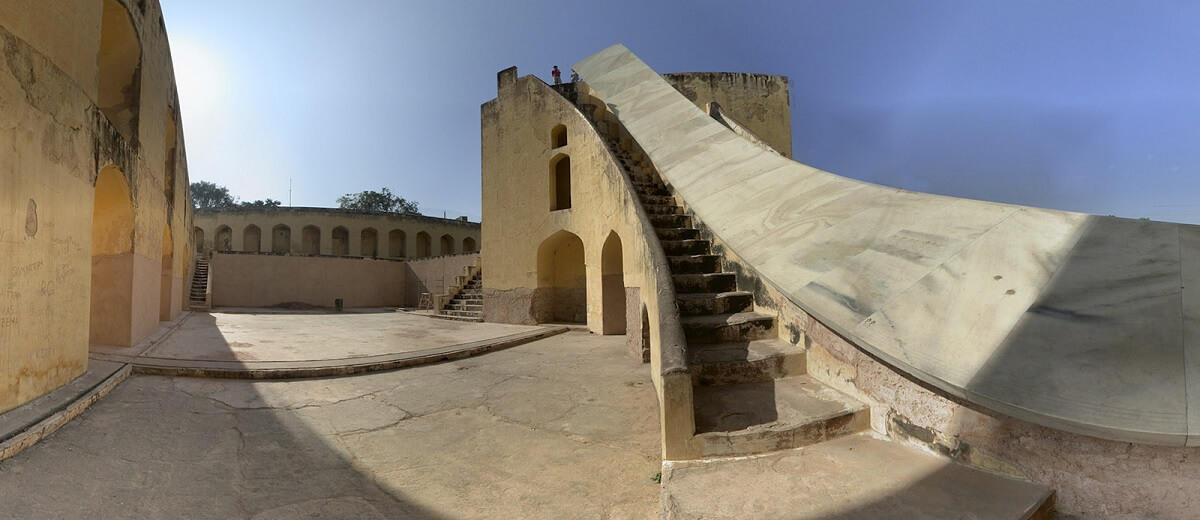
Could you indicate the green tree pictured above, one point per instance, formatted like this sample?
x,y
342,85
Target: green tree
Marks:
x,y
209,195
382,200
269,203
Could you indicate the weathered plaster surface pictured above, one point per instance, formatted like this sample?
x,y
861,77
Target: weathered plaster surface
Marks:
x,y
55,141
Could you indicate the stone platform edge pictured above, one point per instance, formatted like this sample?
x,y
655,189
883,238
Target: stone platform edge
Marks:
x,y
325,367
48,424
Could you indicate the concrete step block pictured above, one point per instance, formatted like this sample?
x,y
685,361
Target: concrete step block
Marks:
x,y
857,476
745,361
760,417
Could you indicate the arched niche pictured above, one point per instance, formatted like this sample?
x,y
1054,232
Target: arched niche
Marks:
x,y
396,246
310,240
252,239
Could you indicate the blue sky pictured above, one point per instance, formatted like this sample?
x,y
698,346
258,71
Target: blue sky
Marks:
x,y
1084,106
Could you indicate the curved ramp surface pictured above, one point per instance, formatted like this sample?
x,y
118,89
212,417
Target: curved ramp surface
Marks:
x,y
1082,323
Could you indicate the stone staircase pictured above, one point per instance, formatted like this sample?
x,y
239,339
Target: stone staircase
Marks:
x,y
467,305
198,297
750,391
756,411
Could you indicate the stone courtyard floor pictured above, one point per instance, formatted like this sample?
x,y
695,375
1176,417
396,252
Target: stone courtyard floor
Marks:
x,y
564,427
268,335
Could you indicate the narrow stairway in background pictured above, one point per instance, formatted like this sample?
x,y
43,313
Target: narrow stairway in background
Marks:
x,y
467,305
198,297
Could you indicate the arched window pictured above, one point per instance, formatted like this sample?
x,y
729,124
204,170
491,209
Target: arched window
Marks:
x,y
341,241
252,239
560,182
224,239
119,64
369,242
468,245
424,244
281,239
558,136
396,246
310,240
447,245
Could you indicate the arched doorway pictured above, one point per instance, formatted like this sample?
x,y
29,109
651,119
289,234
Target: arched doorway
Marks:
x,y
612,286
561,295
112,260
469,245
447,245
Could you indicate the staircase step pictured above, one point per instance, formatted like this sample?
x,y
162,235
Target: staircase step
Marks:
x,y
704,283
653,188
749,418
650,200
744,361
677,233
686,247
722,328
671,221
853,477
456,318
662,209
701,304
694,264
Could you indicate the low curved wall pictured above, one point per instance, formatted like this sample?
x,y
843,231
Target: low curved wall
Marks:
x,y
1070,321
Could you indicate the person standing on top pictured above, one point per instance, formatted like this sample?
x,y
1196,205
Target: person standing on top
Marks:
x,y
556,75
574,76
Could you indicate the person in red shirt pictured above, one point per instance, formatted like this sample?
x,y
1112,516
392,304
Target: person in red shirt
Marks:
x,y
557,75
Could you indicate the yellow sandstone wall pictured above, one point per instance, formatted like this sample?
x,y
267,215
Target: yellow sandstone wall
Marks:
x,y
61,286
249,280
759,101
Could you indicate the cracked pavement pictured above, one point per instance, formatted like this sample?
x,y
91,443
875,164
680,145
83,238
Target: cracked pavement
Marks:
x,y
565,427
